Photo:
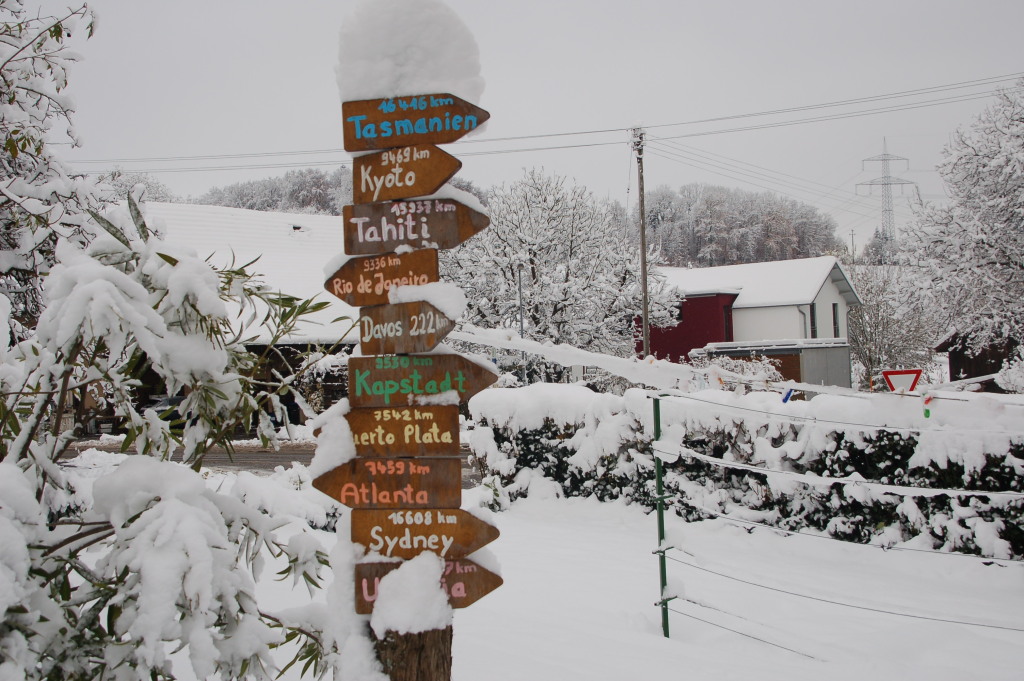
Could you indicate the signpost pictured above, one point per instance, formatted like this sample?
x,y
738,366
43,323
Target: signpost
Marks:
x,y
402,328
367,280
399,121
406,380
405,431
402,173
418,223
450,533
395,483
463,581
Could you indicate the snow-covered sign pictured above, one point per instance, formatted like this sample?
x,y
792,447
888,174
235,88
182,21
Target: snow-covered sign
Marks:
x,y
422,223
369,280
450,533
427,482
401,329
402,173
405,431
400,121
901,379
408,380
463,581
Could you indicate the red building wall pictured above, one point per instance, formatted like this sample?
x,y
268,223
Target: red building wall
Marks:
x,y
702,320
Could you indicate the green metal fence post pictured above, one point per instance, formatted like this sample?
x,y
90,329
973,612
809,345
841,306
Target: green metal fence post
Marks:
x,y
659,490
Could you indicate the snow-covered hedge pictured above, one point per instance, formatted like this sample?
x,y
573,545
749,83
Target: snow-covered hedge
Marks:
x,y
803,465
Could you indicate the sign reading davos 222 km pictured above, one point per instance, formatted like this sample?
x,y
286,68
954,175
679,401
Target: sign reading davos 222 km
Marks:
x,y
401,121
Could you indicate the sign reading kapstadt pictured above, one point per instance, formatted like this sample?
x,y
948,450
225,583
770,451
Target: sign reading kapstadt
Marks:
x,y
395,483
399,121
367,280
450,533
402,173
463,581
405,431
420,223
402,328
406,380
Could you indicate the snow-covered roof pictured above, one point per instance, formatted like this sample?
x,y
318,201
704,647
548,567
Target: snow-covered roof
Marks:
x,y
292,248
764,284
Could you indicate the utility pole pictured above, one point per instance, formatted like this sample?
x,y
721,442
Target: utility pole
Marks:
x,y
638,147
886,182
853,249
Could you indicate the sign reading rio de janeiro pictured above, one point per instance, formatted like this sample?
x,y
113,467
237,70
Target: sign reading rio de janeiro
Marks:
x,y
420,223
399,121
407,380
367,280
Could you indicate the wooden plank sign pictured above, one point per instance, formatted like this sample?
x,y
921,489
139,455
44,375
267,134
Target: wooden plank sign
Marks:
x,y
402,328
401,173
395,483
405,431
405,380
450,533
420,223
401,121
464,581
366,280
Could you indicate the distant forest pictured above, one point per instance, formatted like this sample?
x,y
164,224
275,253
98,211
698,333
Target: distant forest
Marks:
x,y
697,225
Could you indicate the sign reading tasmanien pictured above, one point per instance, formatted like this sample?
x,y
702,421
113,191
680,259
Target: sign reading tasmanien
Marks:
x,y
371,124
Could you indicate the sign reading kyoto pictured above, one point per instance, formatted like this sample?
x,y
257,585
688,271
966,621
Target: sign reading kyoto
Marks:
x,y
402,328
420,223
463,581
450,533
395,483
367,280
400,121
402,173
405,431
406,380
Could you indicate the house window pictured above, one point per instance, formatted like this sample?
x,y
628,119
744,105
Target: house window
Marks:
x,y
835,320
814,320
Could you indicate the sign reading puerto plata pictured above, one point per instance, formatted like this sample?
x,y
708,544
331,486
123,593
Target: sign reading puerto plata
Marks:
x,y
367,280
463,581
402,173
395,483
405,431
402,328
400,121
420,223
450,533
407,380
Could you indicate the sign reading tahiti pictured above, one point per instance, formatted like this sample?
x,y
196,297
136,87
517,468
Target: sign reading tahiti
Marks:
x,y
402,173
450,533
400,121
420,223
407,380
367,280
395,483
402,328
405,431
463,581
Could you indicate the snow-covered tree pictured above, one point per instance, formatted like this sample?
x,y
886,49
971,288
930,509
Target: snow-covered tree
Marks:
x,y
306,190
577,264
973,248
117,184
40,201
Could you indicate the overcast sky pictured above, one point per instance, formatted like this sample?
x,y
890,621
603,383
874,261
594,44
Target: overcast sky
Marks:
x,y
251,82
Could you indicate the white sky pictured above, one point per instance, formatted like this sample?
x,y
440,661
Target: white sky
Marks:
x,y
231,78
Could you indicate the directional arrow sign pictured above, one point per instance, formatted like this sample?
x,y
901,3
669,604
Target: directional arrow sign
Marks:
x,y
420,223
401,173
395,483
405,431
402,328
366,280
405,380
400,121
464,581
450,533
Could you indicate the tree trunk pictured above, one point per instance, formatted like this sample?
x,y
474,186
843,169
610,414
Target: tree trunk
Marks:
x,y
424,656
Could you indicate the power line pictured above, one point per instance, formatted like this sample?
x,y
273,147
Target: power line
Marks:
x,y
734,631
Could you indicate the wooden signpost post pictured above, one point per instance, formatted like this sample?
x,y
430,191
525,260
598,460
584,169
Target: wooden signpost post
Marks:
x,y
404,485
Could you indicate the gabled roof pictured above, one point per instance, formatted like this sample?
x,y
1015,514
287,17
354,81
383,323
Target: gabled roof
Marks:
x,y
292,248
765,284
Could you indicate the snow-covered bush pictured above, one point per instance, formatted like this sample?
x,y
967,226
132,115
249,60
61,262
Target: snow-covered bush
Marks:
x,y
574,442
